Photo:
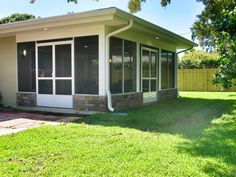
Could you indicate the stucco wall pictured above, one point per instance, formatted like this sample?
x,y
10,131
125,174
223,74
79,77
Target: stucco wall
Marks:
x,y
8,70
144,39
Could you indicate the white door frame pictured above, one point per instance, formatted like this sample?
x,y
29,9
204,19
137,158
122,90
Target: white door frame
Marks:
x,y
157,72
53,100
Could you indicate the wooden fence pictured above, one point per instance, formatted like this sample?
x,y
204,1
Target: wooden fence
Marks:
x,y
198,80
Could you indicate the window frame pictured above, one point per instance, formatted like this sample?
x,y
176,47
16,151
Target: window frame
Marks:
x,y
151,50
168,69
123,71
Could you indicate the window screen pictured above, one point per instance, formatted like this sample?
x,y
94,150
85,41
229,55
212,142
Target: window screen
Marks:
x,y
122,66
116,65
164,69
167,69
86,65
26,67
129,66
171,67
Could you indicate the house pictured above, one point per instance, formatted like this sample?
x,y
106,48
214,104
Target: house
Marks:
x,y
98,60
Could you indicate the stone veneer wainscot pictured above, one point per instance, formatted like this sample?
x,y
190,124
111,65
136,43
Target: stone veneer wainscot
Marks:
x,y
26,99
99,103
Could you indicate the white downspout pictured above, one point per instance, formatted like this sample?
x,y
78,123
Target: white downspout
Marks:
x,y
107,65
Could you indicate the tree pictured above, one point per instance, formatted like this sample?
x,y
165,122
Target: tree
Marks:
x,y
200,55
215,28
16,17
194,59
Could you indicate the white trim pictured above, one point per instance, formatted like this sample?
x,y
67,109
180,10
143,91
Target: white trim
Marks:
x,y
26,92
123,67
54,43
126,93
17,84
148,48
141,64
150,78
53,70
176,71
72,66
159,69
57,78
64,101
79,94
36,71
138,59
101,64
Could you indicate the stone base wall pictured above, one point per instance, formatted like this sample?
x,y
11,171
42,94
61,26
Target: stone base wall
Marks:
x,y
167,94
126,101
90,103
26,99
99,103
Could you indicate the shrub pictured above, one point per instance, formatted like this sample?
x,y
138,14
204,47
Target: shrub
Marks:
x,y
198,64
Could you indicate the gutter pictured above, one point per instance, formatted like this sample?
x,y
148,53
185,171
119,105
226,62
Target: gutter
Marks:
x,y
107,65
185,50
177,53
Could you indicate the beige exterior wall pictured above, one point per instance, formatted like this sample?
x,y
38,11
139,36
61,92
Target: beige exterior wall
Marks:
x,y
60,32
144,39
8,70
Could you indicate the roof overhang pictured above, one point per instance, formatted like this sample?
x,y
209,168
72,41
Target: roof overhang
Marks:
x,y
110,16
157,31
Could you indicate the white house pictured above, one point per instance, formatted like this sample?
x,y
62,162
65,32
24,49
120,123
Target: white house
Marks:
x,y
97,60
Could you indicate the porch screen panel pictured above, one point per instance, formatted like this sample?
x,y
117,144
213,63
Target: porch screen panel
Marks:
x,y
116,61
171,68
146,70
122,66
45,87
63,60
63,87
45,61
167,69
86,65
153,64
129,66
164,69
26,67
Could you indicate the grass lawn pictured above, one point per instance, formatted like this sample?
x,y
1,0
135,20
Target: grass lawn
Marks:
x,y
194,135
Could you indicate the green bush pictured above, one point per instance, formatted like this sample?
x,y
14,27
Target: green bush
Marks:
x,y
198,64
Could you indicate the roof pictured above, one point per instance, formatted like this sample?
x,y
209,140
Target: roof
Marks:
x,y
110,16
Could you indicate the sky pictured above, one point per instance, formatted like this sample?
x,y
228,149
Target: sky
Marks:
x,y
178,17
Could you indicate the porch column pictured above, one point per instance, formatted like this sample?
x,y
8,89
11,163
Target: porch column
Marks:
x,y
102,62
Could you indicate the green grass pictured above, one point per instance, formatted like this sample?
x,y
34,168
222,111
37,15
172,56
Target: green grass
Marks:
x,y
194,135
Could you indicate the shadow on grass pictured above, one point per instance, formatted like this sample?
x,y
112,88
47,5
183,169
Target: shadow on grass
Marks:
x,y
185,116
193,119
217,142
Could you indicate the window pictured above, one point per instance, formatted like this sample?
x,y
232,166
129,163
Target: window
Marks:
x,y
149,70
167,69
122,66
86,65
129,66
26,67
